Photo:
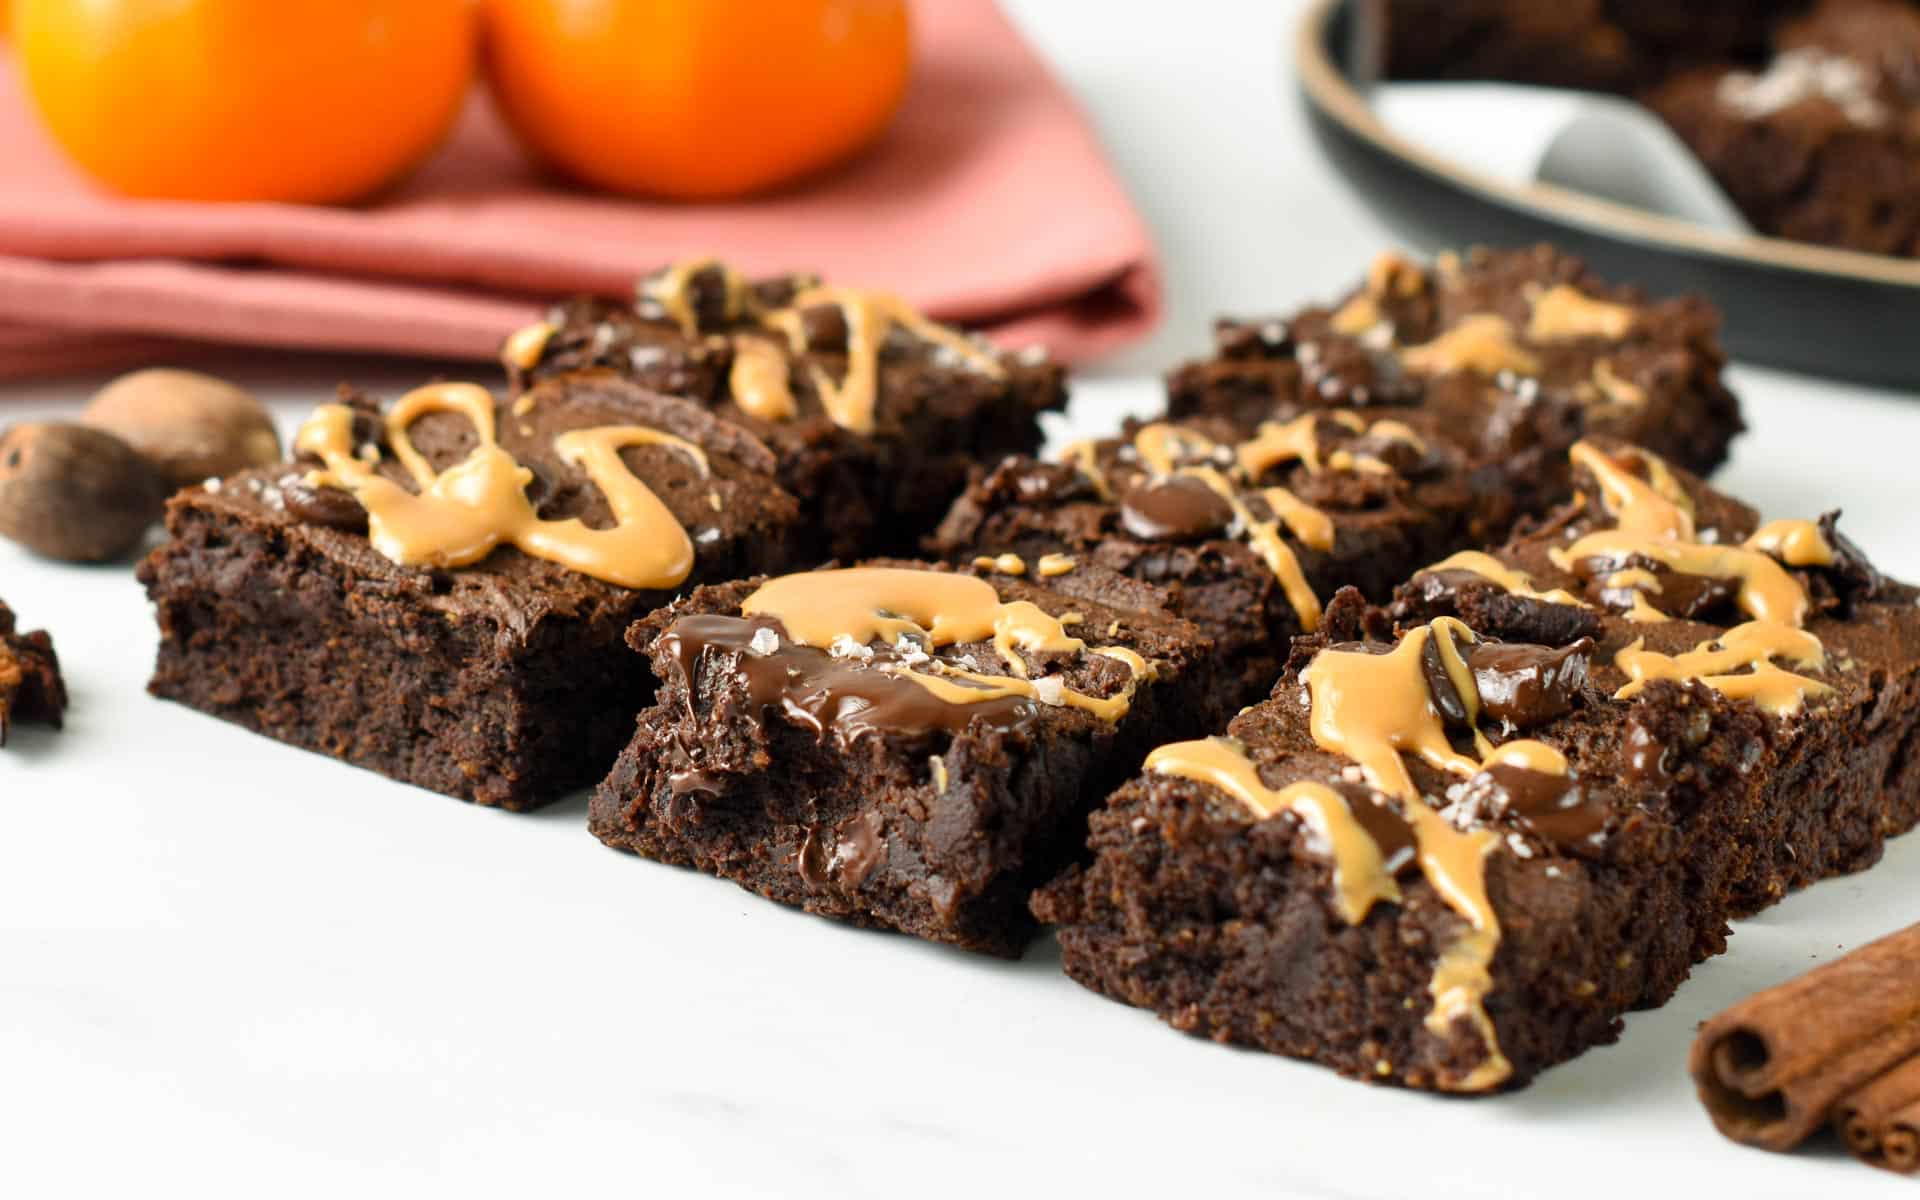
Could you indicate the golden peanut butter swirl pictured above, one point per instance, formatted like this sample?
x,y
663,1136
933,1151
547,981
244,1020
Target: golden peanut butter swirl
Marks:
x,y
1372,708
1487,343
460,515
1167,452
760,377
1654,522
932,609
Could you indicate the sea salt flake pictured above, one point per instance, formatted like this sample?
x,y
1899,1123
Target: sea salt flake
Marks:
x,y
1050,690
764,641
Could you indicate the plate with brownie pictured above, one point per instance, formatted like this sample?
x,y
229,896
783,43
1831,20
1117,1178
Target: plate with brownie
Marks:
x,y
1759,151
742,727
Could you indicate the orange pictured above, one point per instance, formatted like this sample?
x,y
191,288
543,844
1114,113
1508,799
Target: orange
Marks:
x,y
696,99
313,101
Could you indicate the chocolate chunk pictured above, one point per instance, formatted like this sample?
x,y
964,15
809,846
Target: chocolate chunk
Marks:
x,y
1522,685
1399,852
1180,508
842,697
860,846
1647,758
1853,577
1554,808
1491,609
1446,697
332,507
824,328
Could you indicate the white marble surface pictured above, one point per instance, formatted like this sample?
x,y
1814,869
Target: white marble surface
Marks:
x,y
232,969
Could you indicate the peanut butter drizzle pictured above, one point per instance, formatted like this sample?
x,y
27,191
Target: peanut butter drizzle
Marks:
x,y
1084,455
1006,564
1391,275
1797,543
1656,506
1163,448
1621,392
1372,708
1753,645
1277,442
672,290
1479,342
869,317
758,379
1509,579
1655,521
1360,876
524,346
1564,313
1263,537
1051,565
461,514
865,604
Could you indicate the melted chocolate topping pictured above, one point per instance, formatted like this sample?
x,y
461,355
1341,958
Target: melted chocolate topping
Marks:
x,y
1178,508
846,697
1524,685
1554,808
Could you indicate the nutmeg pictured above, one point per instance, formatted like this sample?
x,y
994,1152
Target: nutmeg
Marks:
x,y
191,426
76,493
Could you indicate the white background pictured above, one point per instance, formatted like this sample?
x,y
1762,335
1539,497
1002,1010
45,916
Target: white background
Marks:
x,y
233,969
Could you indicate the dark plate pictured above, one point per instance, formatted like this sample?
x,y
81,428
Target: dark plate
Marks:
x,y
1787,304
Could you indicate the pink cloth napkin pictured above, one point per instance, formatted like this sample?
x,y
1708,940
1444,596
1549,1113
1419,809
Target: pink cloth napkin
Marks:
x,y
988,203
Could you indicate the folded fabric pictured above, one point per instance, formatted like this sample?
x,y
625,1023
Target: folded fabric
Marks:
x,y
987,203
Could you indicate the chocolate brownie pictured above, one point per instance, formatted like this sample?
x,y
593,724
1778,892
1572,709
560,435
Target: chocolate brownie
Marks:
x,y
874,413
1525,350
30,685
1612,45
1466,834
439,592
1246,534
900,745
1821,143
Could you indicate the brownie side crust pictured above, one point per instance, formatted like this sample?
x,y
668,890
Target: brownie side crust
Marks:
x,y
773,356
1684,802
504,681
820,777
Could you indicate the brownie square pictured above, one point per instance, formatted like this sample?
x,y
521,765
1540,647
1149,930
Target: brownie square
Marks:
x,y
1364,498
1465,836
873,432
1525,351
904,746
502,680
1818,143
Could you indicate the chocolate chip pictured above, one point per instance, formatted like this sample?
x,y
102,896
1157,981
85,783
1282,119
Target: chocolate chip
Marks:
x,y
1524,685
1853,577
1181,508
1446,697
824,328
331,507
1554,808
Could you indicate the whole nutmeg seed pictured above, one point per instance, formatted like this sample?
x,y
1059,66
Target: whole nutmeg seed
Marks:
x,y
76,493
191,426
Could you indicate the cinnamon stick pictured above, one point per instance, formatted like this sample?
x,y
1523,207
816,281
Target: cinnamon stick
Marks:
x,y
1881,1122
1771,1069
